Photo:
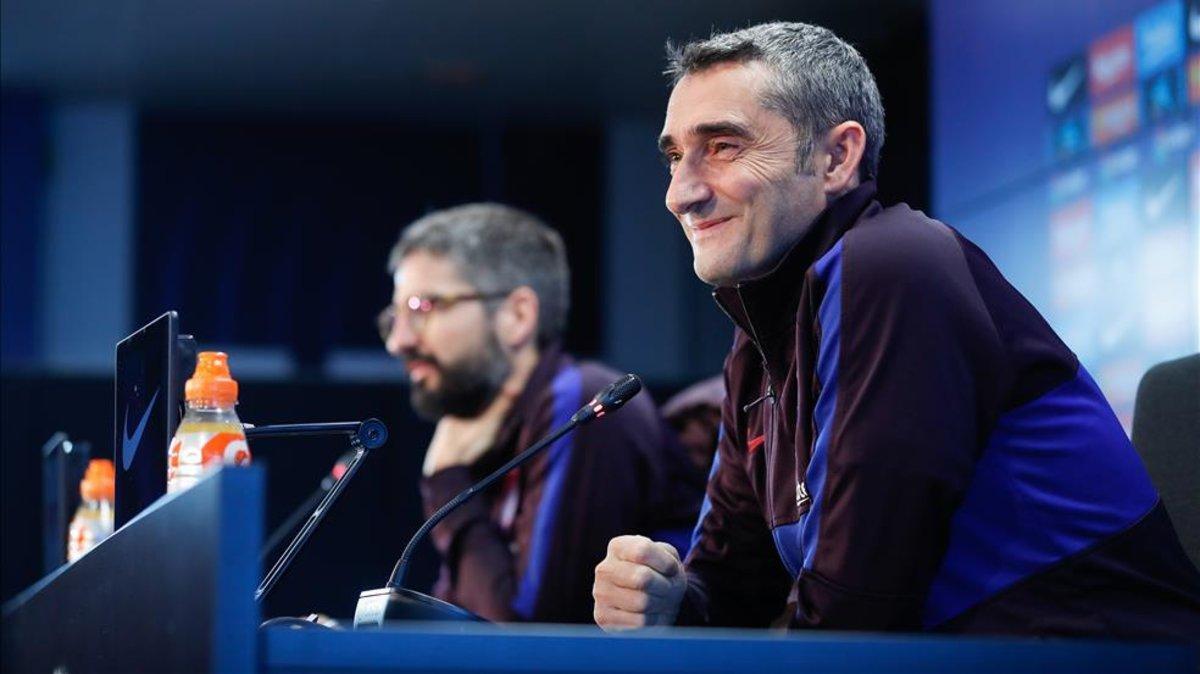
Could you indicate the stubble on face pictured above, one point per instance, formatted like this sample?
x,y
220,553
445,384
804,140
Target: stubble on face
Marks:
x,y
465,386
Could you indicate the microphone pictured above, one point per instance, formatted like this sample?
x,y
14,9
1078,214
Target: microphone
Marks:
x,y
396,602
611,398
335,473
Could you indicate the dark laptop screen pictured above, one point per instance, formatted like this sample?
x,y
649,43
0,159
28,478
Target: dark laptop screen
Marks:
x,y
147,411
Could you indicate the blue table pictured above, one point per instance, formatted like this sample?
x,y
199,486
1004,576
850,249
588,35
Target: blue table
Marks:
x,y
483,648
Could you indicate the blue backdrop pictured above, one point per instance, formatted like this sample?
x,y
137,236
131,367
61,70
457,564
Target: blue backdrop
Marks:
x,y
1065,144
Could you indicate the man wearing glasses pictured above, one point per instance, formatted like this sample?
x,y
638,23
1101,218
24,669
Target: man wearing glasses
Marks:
x,y
478,311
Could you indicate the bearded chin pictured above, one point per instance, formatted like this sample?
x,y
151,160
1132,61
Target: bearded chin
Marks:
x,y
466,389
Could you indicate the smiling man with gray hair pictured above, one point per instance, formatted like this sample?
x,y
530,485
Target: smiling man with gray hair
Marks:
x,y
906,444
477,315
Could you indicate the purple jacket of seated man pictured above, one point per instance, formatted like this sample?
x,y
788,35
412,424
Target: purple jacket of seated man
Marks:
x,y
526,548
907,445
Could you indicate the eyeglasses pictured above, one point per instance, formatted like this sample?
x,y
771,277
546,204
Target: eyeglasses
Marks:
x,y
417,309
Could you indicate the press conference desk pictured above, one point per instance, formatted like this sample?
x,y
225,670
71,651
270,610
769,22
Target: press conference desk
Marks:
x,y
430,647
173,591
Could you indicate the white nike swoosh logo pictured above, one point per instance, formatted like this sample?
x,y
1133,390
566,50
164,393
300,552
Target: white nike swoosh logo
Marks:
x,y
130,443
1061,91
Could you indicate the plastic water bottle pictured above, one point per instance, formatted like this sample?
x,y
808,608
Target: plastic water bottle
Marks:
x,y
93,520
211,433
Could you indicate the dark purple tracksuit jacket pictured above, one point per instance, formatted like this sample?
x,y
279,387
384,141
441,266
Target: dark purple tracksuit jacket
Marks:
x,y
907,445
527,548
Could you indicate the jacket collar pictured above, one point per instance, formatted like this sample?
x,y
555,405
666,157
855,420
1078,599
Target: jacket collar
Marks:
x,y
765,308
550,360
526,406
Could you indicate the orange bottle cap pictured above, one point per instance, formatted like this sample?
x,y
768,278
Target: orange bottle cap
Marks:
x,y
98,480
211,380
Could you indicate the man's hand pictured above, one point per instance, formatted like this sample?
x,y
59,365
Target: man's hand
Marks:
x,y
460,441
639,584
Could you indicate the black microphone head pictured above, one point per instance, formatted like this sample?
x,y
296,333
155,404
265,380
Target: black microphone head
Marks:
x,y
619,392
608,399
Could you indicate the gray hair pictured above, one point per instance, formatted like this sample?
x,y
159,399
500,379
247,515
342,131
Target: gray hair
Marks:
x,y
497,248
819,80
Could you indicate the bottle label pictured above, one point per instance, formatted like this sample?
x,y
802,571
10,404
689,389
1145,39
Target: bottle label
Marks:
x,y
80,539
192,452
87,529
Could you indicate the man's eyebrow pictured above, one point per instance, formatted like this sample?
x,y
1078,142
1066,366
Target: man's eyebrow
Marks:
x,y
708,129
721,129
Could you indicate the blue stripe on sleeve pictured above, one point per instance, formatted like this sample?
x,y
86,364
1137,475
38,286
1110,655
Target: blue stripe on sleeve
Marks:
x,y
1056,476
707,505
829,270
567,389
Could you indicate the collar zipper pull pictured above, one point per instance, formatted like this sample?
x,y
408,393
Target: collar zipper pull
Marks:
x,y
769,394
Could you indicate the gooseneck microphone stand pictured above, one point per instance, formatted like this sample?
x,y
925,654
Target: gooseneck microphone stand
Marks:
x,y
396,602
301,512
364,436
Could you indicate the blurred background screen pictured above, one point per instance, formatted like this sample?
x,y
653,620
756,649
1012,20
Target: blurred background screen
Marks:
x,y
1064,143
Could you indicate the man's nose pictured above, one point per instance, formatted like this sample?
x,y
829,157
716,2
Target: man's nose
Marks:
x,y
688,191
402,337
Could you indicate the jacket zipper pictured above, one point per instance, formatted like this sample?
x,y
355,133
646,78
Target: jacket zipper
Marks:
x,y
770,393
769,425
761,354
754,403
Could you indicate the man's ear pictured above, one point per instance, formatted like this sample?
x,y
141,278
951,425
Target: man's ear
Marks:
x,y
845,144
517,318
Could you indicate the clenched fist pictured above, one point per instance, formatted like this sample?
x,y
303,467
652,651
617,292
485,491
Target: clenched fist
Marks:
x,y
639,584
